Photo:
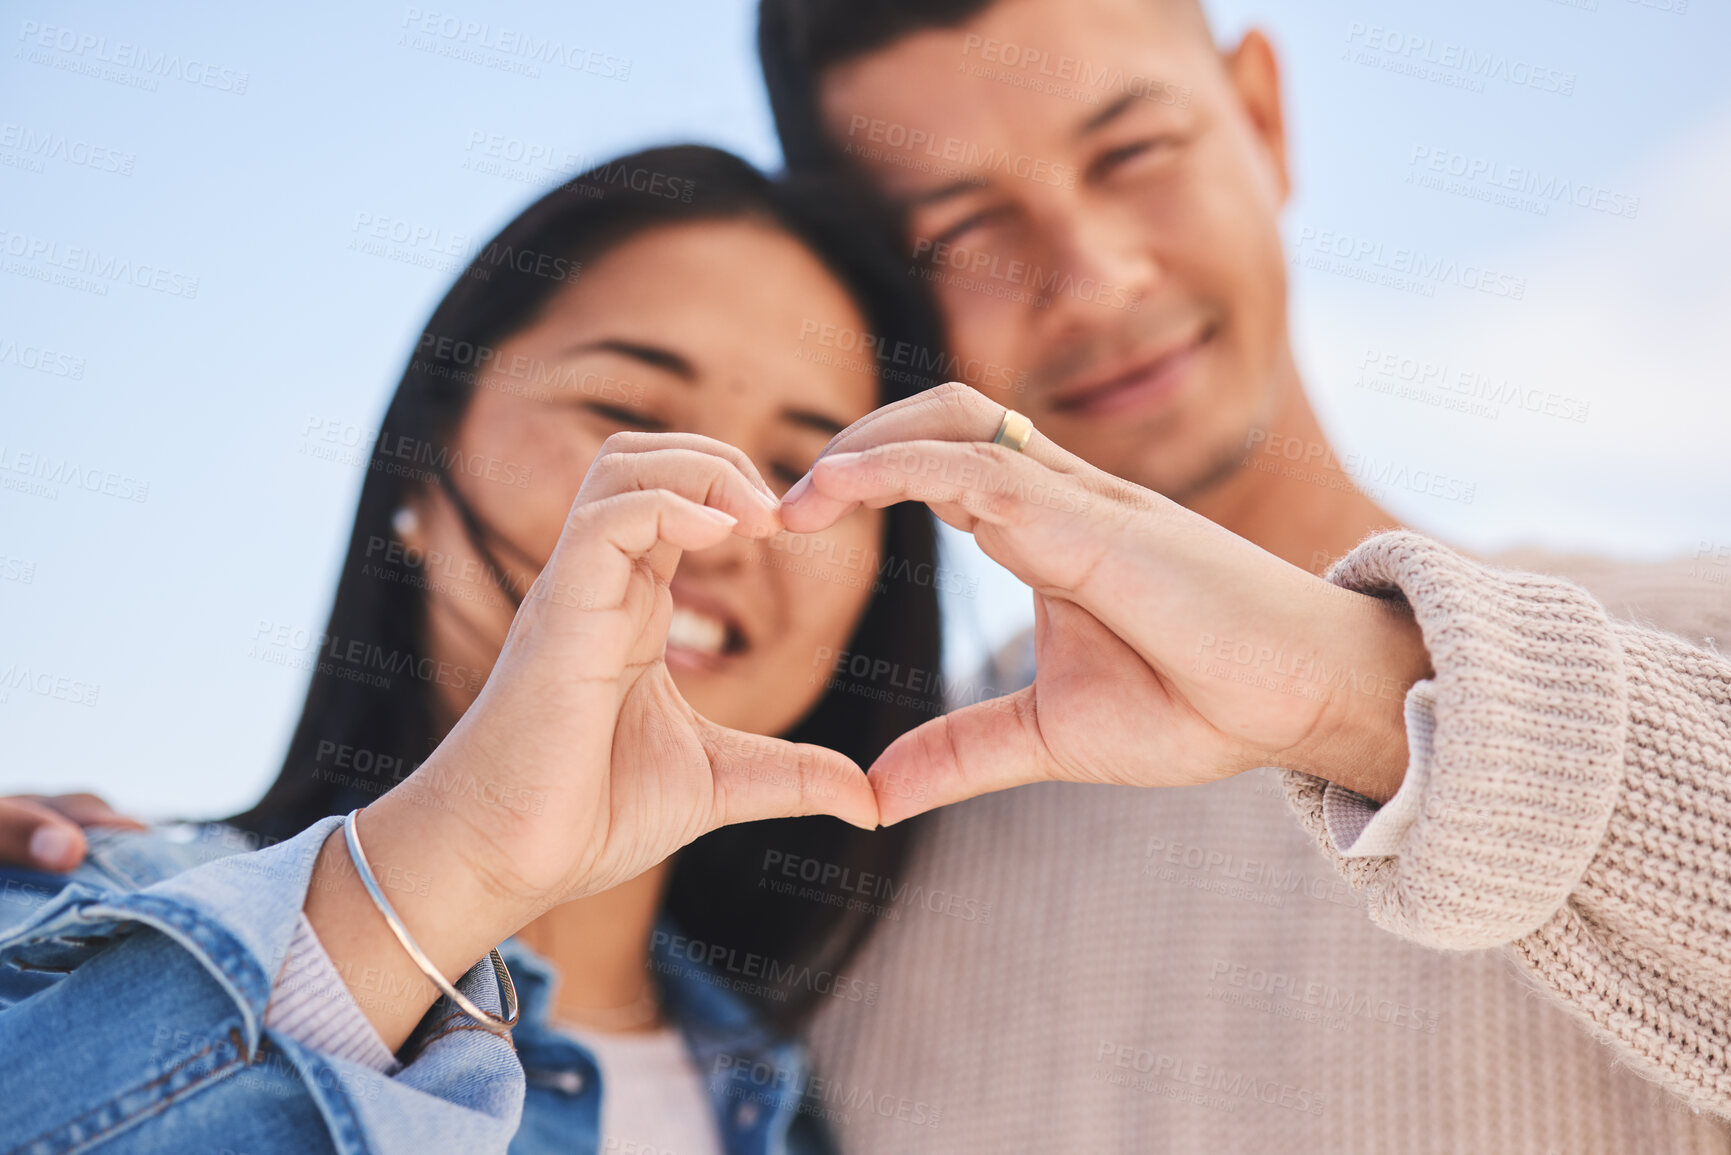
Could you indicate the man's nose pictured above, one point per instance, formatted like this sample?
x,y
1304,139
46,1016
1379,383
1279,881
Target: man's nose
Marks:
x,y
1102,263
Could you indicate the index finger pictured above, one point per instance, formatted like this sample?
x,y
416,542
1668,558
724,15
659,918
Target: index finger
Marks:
x,y
34,835
950,412
87,810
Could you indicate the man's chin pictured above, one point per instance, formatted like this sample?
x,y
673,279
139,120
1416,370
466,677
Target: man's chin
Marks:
x,y
1176,471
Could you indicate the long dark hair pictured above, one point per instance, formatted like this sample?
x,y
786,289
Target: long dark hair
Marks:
x,y
368,720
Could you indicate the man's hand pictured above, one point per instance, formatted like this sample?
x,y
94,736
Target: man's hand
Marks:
x,y
1169,650
45,832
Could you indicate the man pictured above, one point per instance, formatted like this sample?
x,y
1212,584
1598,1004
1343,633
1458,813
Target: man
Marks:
x,y
1120,253
1092,191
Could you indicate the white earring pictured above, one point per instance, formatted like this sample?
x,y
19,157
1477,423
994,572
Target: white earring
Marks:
x,y
404,521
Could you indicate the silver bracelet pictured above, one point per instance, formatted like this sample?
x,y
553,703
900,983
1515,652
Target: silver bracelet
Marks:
x,y
499,1026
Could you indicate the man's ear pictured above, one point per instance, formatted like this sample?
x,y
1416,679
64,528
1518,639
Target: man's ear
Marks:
x,y
1254,72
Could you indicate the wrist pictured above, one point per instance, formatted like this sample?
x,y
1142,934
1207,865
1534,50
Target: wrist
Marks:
x,y
419,859
442,877
507,839
1360,740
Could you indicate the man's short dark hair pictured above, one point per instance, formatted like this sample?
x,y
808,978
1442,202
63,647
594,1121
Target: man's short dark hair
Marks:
x,y
799,40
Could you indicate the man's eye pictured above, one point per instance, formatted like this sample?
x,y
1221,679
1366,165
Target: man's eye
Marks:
x,y
967,225
619,415
1116,158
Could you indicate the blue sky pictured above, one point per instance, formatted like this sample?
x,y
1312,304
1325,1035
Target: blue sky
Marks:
x,y
1585,412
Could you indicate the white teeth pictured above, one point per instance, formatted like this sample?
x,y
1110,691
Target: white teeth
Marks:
x,y
690,630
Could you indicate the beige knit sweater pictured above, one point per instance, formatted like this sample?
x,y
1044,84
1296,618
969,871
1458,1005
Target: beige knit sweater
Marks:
x,y
1544,968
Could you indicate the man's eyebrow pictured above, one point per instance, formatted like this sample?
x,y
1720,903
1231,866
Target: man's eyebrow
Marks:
x,y
813,420
957,188
1106,115
652,355
941,193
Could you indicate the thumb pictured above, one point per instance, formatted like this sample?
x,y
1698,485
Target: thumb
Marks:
x,y
34,835
758,777
991,745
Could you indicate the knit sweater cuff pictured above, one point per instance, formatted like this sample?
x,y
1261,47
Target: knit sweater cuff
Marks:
x,y
1360,828
1526,757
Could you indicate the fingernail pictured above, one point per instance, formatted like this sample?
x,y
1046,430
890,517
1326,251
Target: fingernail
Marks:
x,y
722,516
798,490
51,846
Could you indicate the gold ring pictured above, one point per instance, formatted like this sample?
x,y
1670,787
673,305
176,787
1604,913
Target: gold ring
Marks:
x,y
1014,431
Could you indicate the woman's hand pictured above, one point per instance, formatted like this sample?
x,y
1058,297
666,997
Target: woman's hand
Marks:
x,y
47,831
581,709
1169,650
579,765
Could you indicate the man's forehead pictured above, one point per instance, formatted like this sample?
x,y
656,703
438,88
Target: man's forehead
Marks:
x,y
1023,75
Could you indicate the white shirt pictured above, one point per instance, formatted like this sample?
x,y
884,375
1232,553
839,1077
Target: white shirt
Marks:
x,y
653,1099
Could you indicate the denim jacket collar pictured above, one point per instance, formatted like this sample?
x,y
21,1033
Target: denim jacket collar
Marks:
x,y
756,1082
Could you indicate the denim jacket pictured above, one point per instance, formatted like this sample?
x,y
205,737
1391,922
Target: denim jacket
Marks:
x,y
132,1006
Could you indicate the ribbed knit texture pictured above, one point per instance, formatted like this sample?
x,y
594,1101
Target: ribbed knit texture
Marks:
x,y
1584,819
311,1004
1187,970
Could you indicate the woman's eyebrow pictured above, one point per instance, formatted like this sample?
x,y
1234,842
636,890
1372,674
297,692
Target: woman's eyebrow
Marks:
x,y
652,355
813,420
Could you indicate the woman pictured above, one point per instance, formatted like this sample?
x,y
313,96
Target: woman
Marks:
x,y
537,702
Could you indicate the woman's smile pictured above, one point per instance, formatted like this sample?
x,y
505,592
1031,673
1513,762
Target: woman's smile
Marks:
x,y
704,634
